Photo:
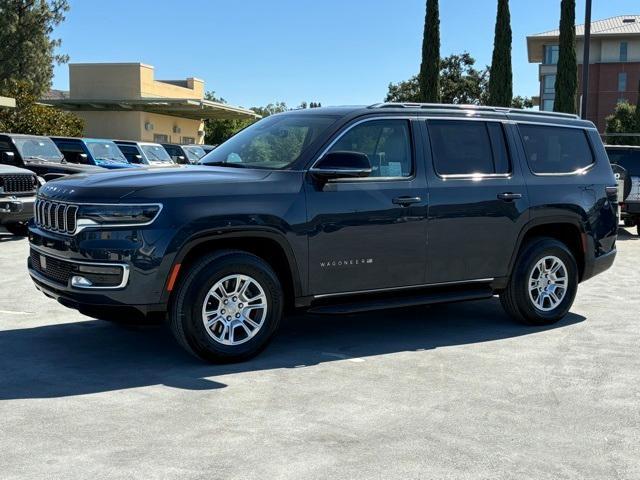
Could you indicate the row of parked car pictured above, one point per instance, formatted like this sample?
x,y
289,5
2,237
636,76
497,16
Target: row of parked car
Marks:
x,y
28,161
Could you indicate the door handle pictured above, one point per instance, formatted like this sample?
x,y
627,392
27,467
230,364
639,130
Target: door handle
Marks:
x,y
406,201
509,197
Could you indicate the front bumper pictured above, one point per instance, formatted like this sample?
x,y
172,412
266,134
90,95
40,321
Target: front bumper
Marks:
x,y
16,209
134,280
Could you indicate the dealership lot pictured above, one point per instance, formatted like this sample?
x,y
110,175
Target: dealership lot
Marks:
x,y
452,391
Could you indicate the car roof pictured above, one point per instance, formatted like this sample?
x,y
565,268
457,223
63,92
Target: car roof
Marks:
x,y
450,110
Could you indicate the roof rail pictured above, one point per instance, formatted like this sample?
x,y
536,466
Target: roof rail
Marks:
x,y
480,108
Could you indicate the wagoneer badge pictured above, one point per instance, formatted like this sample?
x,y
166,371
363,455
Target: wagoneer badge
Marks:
x,y
43,262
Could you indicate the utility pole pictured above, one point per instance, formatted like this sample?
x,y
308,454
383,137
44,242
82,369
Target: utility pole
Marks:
x,y
585,59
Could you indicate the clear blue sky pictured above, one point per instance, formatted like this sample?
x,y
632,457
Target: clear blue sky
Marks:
x,y
254,52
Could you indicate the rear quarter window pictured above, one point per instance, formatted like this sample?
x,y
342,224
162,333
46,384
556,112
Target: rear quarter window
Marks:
x,y
556,150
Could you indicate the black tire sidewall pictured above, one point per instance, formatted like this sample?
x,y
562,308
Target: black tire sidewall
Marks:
x,y
530,258
190,304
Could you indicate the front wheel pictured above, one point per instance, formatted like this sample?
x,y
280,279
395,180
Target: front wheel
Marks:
x,y
543,284
228,307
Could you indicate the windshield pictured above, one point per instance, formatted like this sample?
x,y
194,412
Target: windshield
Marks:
x,y
40,148
627,159
194,153
105,151
155,153
272,143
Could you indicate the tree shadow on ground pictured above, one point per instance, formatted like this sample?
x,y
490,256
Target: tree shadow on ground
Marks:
x,y
95,356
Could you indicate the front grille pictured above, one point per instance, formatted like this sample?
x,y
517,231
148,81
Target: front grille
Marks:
x,y
56,216
57,270
18,183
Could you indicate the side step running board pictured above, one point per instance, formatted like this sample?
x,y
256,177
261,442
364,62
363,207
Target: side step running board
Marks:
x,y
423,298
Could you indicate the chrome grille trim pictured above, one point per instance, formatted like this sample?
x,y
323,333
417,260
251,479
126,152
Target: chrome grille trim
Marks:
x,y
56,216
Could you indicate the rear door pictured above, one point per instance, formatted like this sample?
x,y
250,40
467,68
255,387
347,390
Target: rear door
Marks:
x,y
478,201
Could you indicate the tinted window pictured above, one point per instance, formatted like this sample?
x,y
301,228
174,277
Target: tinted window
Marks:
x,y
386,143
72,152
627,159
464,147
555,149
130,153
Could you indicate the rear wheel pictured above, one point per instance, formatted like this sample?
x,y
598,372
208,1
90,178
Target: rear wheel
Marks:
x,y
543,284
228,307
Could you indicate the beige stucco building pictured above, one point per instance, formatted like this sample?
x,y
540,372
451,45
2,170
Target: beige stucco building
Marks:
x,y
125,101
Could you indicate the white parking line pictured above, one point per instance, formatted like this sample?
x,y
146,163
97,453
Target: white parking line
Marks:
x,y
343,357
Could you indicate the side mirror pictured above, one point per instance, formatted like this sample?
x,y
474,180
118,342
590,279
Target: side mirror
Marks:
x,y
180,159
8,158
342,165
84,158
137,158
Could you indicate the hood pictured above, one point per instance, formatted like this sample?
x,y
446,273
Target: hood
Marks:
x,y
11,170
71,168
178,180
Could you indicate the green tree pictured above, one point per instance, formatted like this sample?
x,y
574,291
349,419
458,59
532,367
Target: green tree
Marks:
x,y
27,51
623,120
567,76
405,91
218,131
521,102
35,119
460,82
501,80
428,78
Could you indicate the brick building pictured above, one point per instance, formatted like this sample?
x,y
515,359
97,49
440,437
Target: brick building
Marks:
x,y
614,64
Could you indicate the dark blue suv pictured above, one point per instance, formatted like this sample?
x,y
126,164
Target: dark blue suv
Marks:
x,y
336,210
92,151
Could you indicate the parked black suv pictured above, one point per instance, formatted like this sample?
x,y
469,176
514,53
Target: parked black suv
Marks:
x,y
626,163
38,154
336,210
17,197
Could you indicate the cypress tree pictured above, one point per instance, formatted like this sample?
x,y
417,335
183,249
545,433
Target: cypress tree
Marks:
x,y
429,77
501,79
567,76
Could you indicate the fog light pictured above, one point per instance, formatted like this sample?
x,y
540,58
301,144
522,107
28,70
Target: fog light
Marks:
x,y
78,281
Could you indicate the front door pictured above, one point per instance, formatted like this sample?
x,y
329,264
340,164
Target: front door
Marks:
x,y
361,237
478,200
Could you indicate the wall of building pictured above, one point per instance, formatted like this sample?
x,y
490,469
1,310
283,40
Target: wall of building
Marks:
x,y
165,124
604,95
126,81
115,125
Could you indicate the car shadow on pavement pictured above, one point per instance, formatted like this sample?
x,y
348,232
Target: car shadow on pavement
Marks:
x,y
624,234
9,237
96,356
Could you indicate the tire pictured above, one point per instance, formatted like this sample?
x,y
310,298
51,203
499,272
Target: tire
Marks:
x,y
20,229
227,339
517,300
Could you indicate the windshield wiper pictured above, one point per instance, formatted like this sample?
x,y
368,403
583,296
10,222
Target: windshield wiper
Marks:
x,y
44,159
227,164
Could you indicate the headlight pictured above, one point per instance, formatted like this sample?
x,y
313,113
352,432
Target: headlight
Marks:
x,y
117,215
40,181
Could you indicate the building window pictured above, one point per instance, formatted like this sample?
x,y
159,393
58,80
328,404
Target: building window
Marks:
x,y
624,46
551,54
547,105
622,82
549,84
188,140
160,138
